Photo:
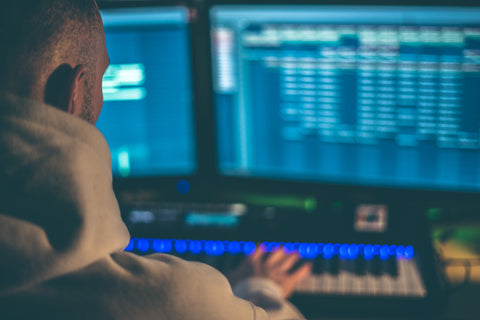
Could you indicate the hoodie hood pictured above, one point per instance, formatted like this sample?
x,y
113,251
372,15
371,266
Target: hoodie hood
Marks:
x,y
58,212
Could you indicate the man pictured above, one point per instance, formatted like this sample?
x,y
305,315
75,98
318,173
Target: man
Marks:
x,y
61,236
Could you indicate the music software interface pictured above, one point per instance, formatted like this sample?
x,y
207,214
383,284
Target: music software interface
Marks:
x,y
382,96
147,116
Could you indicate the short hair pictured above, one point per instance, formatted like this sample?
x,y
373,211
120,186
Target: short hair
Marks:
x,y
35,33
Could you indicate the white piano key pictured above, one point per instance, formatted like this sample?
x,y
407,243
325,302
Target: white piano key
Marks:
x,y
319,283
402,275
369,285
357,284
407,283
418,288
329,282
385,285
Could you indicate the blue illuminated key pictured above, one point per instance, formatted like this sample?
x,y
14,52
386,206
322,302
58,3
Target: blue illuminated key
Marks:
x,y
143,245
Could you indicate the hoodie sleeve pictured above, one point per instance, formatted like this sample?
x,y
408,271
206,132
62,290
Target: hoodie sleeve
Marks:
x,y
125,286
266,294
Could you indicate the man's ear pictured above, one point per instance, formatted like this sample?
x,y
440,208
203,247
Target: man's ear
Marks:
x,y
75,97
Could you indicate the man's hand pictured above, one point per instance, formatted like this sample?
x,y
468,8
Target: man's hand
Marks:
x,y
275,267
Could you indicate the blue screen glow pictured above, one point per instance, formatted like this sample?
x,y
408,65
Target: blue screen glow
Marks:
x,y
147,116
359,95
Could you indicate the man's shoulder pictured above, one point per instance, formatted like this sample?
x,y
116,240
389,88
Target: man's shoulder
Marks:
x,y
185,289
173,271
127,286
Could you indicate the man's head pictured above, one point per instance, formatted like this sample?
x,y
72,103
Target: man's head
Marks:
x,y
54,51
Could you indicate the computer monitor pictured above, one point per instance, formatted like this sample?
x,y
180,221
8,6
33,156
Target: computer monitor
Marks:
x,y
147,116
382,96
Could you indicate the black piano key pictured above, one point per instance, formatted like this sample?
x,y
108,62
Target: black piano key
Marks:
x,y
360,266
232,261
318,265
208,259
220,262
389,266
186,256
374,266
347,265
342,264
332,265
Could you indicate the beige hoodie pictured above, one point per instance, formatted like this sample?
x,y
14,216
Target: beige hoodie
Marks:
x,y
62,238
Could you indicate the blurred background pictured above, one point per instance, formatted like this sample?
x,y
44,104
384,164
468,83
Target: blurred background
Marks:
x,y
348,131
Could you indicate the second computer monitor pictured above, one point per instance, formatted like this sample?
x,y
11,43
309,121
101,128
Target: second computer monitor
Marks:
x,y
360,95
147,117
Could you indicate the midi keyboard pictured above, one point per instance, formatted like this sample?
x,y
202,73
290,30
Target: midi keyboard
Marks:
x,y
338,269
379,273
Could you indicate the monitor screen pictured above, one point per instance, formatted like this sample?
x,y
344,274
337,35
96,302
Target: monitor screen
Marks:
x,y
147,116
355,95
